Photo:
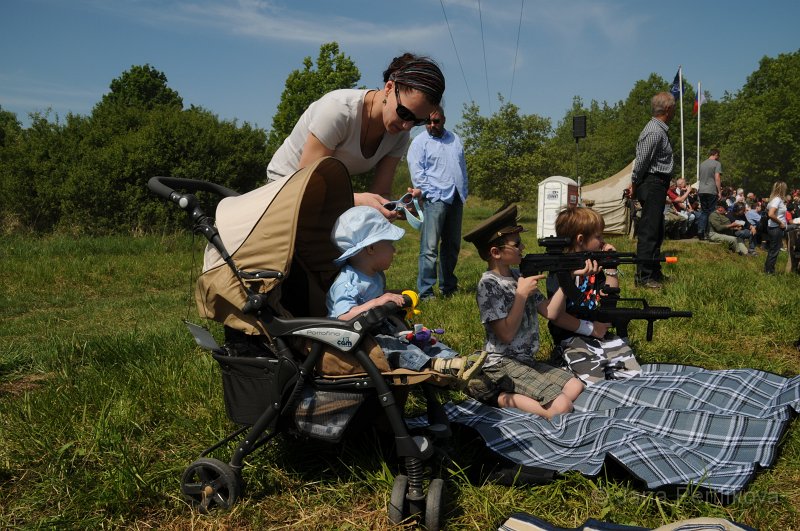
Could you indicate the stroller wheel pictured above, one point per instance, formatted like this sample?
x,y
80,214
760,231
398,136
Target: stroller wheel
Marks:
x,y
398,504
433,505
210,484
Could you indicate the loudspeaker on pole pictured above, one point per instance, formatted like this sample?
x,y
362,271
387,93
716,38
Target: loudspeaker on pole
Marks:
x,y
579,127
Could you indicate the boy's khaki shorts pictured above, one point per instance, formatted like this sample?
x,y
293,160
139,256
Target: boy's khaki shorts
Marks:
x,y
539,381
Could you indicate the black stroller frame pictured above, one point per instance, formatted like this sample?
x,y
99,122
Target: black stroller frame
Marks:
x,y
277,378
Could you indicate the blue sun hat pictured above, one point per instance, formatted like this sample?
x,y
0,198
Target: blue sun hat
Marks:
x,y
360,227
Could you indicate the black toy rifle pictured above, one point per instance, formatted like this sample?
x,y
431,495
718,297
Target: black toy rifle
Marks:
x,y
619,317
555,260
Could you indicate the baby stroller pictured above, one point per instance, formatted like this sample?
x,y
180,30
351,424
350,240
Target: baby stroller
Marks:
x,y
269,259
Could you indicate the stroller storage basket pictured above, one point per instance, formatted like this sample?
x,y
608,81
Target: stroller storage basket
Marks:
x,y
250,385
325,414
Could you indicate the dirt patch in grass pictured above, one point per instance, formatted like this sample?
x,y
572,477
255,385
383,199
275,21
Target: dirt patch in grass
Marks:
x,y
27,383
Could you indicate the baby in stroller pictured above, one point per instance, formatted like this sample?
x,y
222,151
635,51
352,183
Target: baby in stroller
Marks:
x,y
365,238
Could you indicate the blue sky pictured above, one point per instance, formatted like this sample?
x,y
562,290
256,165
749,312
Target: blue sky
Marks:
x,y
233,56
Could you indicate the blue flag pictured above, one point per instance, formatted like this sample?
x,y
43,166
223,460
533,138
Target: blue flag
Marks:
x,y
675,89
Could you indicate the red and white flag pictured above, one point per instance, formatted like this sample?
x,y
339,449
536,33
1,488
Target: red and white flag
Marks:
x,y
698,101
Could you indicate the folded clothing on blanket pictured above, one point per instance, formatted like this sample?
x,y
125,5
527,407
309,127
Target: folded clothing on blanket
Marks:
x,y
672,426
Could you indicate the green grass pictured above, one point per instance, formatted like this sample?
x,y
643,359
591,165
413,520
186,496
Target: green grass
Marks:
x,y
105,399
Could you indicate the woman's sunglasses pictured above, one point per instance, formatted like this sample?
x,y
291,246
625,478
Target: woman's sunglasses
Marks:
x,y
404,113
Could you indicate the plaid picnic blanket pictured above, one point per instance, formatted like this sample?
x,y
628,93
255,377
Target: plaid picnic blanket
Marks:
x,y
674,425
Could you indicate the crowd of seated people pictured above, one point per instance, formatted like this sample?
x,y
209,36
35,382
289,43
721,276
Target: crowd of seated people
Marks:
x,y
739,220
682,208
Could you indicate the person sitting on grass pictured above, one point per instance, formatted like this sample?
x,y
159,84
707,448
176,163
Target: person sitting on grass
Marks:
x,y
753,215
745,230
508,303
723,230
365,238
678,194
587,347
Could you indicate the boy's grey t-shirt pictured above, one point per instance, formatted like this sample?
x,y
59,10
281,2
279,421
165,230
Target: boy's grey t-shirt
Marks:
x,y
495,297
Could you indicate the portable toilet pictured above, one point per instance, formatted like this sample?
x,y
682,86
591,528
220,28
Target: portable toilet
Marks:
x,y
555,193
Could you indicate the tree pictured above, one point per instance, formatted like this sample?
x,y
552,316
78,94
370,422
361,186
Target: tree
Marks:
x,y
764,132
141,87
613,130
34,164
603,151
105,189
12,188
10,128
303,87
89,174
506,153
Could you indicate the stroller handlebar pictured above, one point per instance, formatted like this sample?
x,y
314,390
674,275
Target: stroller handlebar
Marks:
x,y
164,187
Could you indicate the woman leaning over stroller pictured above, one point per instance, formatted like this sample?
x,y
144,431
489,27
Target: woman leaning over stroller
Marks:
x,y
365,129
776,212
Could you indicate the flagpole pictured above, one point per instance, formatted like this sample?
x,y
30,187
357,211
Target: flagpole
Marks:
x,y
680,86
699,110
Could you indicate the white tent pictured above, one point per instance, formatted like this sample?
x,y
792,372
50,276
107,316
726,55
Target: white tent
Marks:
x,y
606,197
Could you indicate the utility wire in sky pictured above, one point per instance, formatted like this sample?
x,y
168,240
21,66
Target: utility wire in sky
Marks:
x,y
514,70
471,99
485,70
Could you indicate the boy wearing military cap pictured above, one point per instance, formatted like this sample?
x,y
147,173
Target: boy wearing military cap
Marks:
x,y
508,304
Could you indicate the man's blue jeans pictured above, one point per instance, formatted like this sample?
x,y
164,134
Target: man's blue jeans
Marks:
x,y
442,223
708,203
746,235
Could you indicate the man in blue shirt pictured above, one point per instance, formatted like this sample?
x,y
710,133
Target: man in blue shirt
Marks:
x,y
438,168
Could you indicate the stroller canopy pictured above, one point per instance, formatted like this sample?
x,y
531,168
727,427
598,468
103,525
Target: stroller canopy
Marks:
x,y
282,226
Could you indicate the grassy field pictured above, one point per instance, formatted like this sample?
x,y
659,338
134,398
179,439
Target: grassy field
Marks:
x,y
105,399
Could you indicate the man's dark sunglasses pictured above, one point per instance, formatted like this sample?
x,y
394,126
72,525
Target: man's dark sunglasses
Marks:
x,y
403,113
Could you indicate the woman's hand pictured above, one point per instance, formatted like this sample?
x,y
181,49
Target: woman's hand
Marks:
x,y
375,201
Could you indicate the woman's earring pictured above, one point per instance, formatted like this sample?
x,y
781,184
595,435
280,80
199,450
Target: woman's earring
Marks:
x,y
384,101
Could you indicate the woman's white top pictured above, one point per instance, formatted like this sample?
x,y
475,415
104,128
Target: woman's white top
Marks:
x,y
335,119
